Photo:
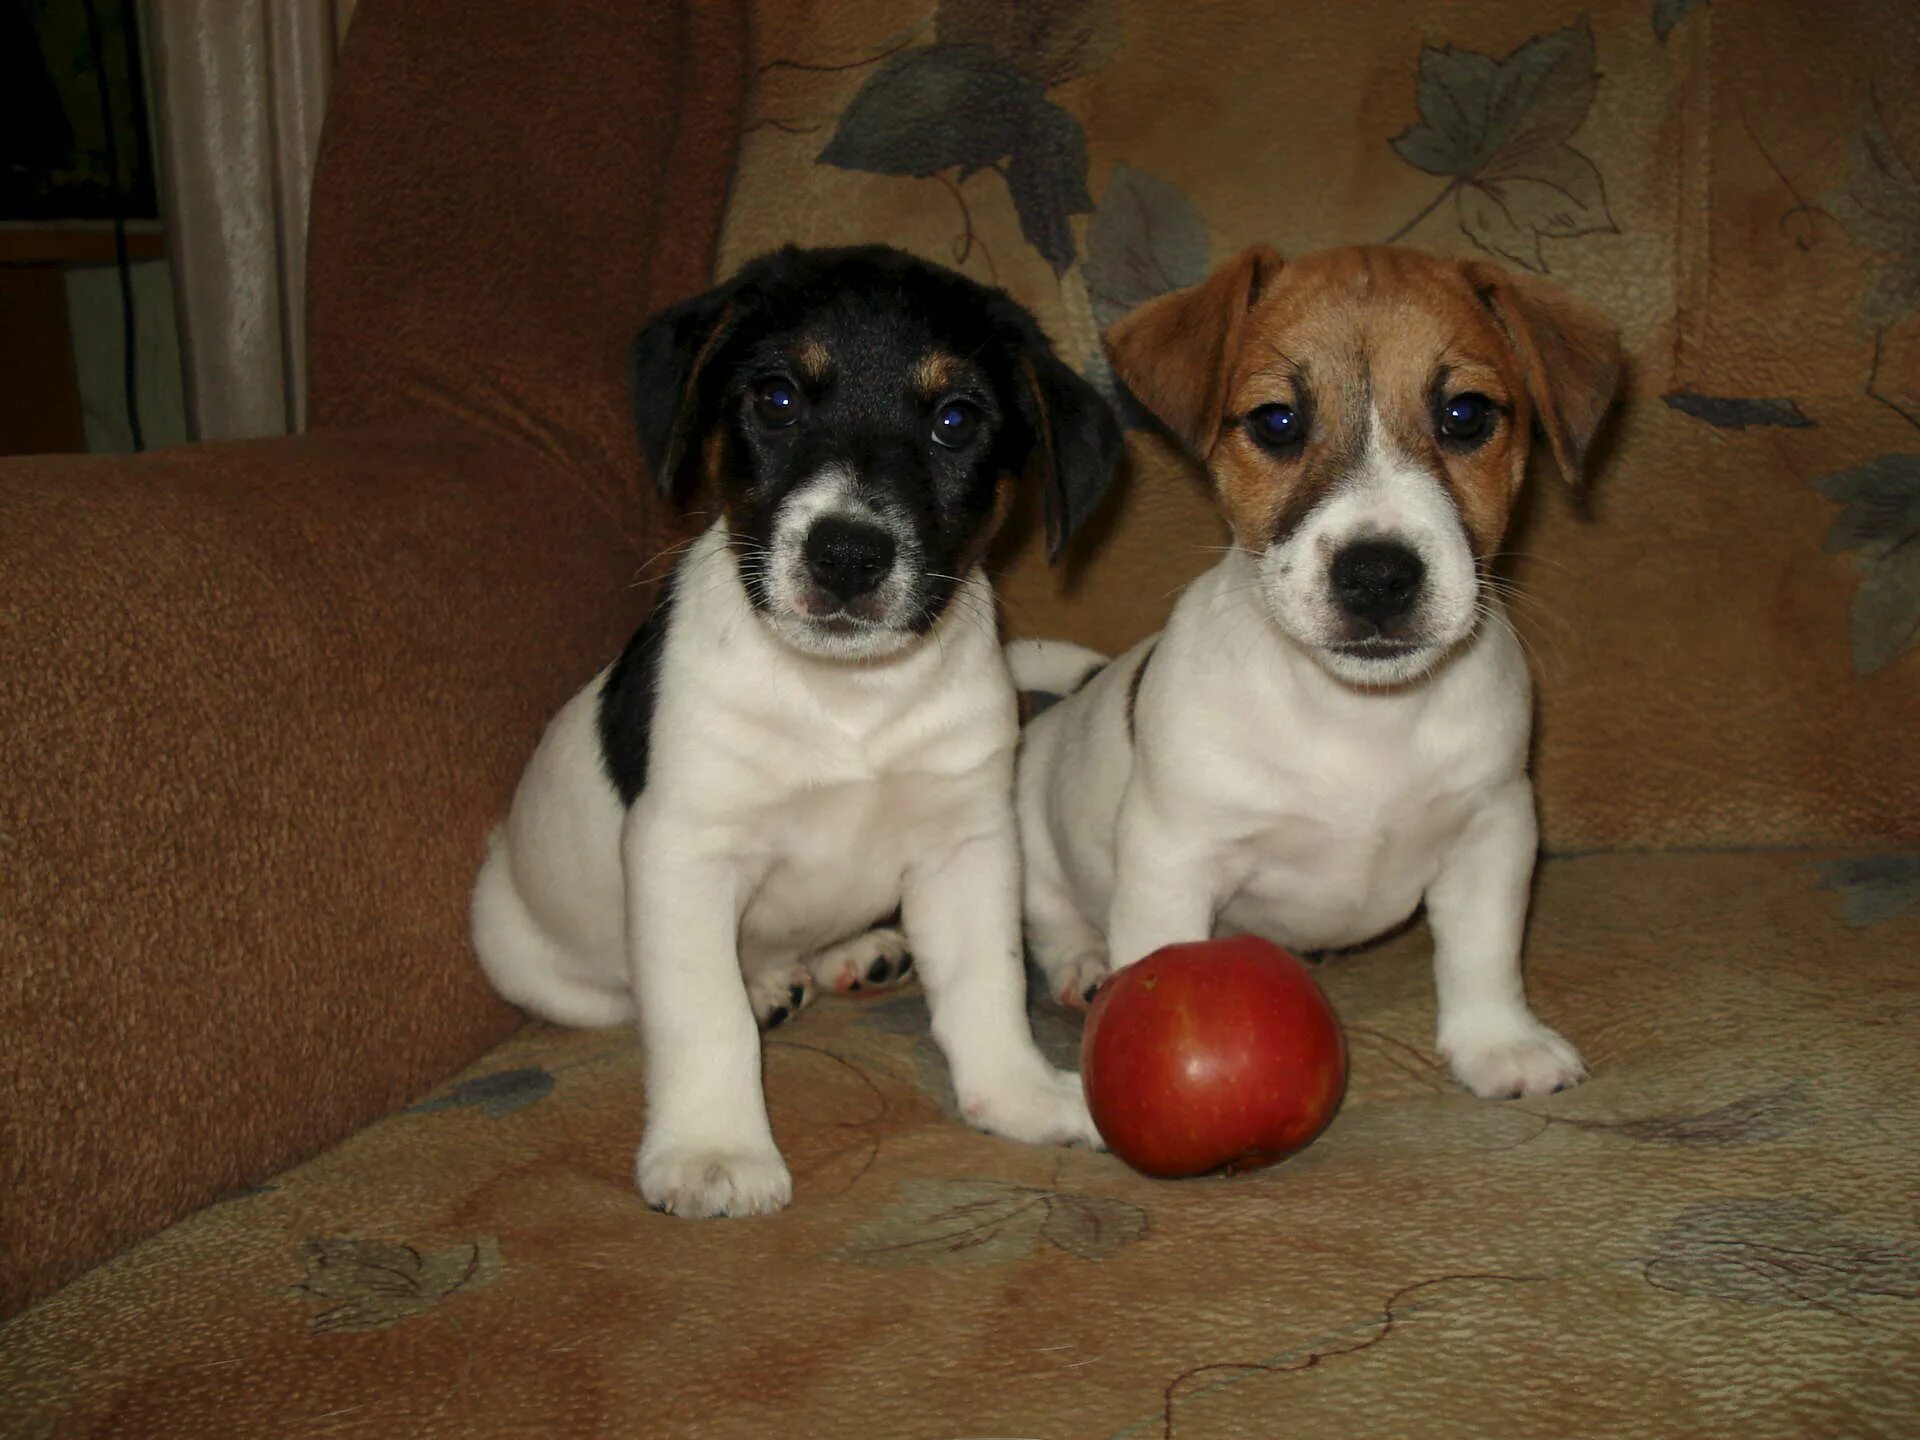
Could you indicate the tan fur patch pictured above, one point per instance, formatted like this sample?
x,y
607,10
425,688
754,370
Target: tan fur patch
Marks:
x,y
935,374
713,458
813,360
682,435
1569,353
1346,334
1175,352
1006,488
1350,334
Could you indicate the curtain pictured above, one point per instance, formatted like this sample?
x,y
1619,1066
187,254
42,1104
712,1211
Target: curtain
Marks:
x,y
240,88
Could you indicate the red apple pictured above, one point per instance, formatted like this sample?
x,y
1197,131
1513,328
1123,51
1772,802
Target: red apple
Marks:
x,y
1221,1053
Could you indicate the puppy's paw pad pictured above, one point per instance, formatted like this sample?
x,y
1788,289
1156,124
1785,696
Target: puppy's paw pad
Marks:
x,y
1047,1109
1515,1062
867,962
778,995
697,1182
1075,984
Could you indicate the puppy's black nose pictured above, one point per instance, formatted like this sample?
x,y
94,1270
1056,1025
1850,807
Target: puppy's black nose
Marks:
x,y
847,558
1376,580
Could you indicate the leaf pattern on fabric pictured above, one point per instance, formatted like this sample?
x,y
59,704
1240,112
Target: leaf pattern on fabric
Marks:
x,y
1047,177
1873,888
1736,412
1788,1253
990,1221
1880,519
1051,40
1145,239
500,1093
1669,13
976,99
1880,207
1749,1120
934,108
371,1284
1498,129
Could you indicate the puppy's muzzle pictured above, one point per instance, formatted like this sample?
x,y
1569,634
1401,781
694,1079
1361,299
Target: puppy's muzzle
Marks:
x,y
847,561
1376,584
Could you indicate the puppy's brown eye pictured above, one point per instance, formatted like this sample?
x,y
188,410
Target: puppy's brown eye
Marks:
x,y
1466,418
776,403
955,424
1278,427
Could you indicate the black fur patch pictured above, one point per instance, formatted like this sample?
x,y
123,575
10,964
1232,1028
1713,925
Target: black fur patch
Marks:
x,y
1133,694
879,313
626,701
1035,703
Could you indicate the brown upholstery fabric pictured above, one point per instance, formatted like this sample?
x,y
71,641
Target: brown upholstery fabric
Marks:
x,y
1696,640
506,192
264,701
1713,1237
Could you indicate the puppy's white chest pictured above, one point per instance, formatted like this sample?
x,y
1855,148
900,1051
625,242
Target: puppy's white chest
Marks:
x,y
836,856
1336,866
1356,821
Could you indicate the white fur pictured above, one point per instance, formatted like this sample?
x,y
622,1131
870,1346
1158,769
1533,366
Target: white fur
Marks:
x,y
793,801
1274,786
833,491
1387,498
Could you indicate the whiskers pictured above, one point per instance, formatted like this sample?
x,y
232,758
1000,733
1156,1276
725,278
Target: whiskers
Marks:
x,y
751,562
1502,601
662,562
970,606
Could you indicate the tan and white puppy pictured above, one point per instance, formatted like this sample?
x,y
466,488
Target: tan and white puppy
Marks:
x,y
1332,729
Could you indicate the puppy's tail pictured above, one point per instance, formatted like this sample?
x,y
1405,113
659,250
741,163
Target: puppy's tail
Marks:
x,y
1051,667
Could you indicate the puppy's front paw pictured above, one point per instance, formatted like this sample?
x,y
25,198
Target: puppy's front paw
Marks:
x,y
1047,1108
695,1181
1074,983
1511,1059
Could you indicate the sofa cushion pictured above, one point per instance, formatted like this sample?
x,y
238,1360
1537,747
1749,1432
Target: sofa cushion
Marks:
x,y
1713,1236
264,700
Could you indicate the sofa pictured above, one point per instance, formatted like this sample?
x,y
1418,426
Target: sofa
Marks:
x,y
275,1161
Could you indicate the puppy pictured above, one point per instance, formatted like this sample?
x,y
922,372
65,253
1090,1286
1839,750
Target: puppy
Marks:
x,y
816,728
1333,726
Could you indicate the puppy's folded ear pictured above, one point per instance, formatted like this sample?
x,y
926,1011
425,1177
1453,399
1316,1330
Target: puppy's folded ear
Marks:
x,y
669,361
1077,443
1176,352
1569,352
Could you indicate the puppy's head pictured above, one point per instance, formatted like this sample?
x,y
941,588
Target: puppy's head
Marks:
x,y
864,417
1365,416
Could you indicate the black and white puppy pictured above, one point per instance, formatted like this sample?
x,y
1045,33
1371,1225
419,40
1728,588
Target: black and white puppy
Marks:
x,y
816,728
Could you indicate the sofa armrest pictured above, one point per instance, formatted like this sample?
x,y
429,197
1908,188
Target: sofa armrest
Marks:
x,y
263,701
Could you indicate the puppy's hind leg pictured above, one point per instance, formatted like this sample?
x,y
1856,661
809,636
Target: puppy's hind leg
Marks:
x,y
869,961
526,965
778,989
1070,951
